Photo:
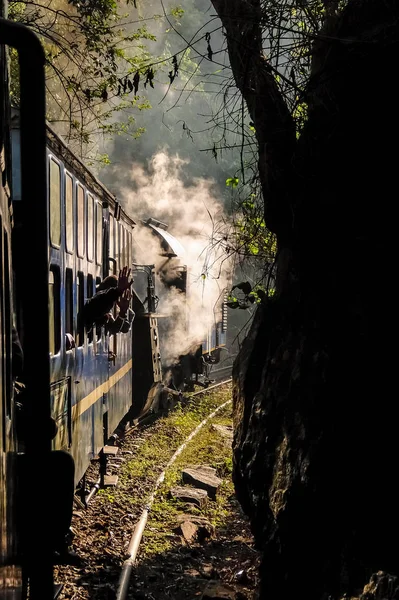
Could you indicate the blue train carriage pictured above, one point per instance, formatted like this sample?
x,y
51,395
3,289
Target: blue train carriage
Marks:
x,y
90,236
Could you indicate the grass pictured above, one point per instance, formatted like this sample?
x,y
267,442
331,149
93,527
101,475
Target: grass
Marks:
x,y
208,447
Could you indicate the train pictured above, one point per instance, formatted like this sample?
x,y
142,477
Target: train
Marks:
x,y
62,233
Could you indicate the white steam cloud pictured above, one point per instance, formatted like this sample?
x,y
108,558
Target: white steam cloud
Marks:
x,y
195,217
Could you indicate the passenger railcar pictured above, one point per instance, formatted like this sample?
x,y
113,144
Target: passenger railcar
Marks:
x,y
89,236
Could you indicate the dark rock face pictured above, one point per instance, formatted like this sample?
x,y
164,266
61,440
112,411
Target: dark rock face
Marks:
x,y
315,444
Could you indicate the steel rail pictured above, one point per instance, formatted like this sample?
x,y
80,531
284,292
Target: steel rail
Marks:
x,y
140,526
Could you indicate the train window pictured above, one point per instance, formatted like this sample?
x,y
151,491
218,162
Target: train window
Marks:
x,y
81,302
69,301
125,252
98,328
69,220
116,255
89,295
111,237
99,234
81,221
129,249
55,203
122,246
90,227
54,310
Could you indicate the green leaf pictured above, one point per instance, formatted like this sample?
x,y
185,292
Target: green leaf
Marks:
x,y
232,181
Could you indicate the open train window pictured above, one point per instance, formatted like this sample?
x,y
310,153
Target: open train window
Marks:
x,y
125,254
129,250
80,282
69,301
111,240
117,254
89,295
81,221
99,233
121,249
90,227
55,203
54,310
98,328
69,220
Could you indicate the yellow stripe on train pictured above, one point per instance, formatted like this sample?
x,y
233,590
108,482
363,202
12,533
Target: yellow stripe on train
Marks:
x,y
85,403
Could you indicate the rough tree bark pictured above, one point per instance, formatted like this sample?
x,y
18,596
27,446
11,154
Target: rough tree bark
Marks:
x,y
315,450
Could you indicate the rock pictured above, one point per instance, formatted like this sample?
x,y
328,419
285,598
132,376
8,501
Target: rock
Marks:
x,y
381,585
218,591
190,495
225,430
202,479
204,529
209,572
189,531
205,468
192,573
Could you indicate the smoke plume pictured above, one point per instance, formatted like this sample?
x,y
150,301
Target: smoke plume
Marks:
x,y
195,217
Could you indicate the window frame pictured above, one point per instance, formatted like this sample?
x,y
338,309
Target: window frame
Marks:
x,y
90,239
80,302
78,248
68,175
53,160
99,221
68,317
54,270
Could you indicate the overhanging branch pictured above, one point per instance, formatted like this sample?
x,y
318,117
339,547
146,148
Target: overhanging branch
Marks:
x,y
275,129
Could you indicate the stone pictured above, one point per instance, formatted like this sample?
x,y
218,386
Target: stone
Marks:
x,y
189,531
208,571
218,591
204,529
205,468
194,496
225,430
201,478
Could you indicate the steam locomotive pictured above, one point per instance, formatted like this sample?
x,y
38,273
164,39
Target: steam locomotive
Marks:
x,y
61,233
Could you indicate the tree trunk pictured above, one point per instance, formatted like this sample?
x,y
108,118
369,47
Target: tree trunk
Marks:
x,y
315,449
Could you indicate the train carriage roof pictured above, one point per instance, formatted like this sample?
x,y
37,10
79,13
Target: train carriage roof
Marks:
x,y
74,164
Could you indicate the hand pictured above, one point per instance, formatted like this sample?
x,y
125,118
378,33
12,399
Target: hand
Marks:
x,y
124,302
123,282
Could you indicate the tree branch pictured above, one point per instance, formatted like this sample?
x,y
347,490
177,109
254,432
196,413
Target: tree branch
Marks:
x,y
275,129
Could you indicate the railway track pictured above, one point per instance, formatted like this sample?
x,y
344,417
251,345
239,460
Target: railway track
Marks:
x,y
81,499
109,513
140,526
